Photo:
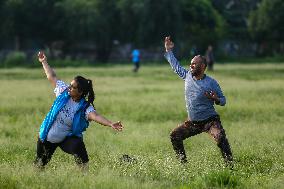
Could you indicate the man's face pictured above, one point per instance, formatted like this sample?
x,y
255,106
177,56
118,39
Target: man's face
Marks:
x,y
73,89
210,48
196,66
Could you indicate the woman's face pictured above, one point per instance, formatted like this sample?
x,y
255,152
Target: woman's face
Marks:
x,y
74,90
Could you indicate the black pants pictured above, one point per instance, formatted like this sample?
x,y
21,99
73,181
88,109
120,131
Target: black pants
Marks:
x,y
136,66
210,65
211,126
71,145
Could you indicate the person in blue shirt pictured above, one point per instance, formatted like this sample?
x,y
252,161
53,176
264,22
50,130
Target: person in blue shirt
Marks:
x,y
68,118
136,59
201,93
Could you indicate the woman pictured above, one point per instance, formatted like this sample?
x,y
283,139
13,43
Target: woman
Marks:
x,y
68,117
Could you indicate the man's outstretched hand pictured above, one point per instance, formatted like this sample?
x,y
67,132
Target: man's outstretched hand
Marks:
x,y
213,96
169,45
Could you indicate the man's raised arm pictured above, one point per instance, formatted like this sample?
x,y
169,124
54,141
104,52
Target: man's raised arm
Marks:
x,y
177,68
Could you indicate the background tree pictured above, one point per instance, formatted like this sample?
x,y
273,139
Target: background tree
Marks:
x,y
107,27
13,21
2,17
92,26
130,17
159,19
202,25
78,21
29,19
266,25
91,21
235,14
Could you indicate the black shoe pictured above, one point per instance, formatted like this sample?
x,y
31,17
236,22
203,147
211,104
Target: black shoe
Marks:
x,y
128,159
183,161
229,164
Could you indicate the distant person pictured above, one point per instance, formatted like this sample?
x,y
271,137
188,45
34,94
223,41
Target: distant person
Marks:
x,y
210,57
201,93
68,117
136,59
193,51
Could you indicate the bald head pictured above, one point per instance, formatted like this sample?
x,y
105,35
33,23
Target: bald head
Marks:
x,y
201,59
198,65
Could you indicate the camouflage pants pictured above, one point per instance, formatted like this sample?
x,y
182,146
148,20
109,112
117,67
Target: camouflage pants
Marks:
x,y
212,126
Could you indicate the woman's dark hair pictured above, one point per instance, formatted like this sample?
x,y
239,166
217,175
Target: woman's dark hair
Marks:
x,y
86,87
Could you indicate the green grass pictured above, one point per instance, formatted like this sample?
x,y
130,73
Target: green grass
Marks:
x,y
150,104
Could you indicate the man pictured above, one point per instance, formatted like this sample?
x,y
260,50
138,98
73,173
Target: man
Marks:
x,y
210,57
136,59
201,92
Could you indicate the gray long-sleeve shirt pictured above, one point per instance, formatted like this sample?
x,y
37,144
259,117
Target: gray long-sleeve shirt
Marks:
x,y
198,106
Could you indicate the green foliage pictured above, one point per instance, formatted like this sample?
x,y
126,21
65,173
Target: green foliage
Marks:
x,y
235,15
158,20
15,58
108,18
79,18
91,20
69,63
7,182
130,17
13,11
202,24
29,19
100,22
266,23
221,179
150,104
19,59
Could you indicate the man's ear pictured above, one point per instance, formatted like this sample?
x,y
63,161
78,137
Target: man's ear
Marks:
x,y
203,66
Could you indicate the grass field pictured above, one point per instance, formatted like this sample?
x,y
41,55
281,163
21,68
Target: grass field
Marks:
x,y
150,104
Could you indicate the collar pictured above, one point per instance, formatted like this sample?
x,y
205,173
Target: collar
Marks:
x,y
200,78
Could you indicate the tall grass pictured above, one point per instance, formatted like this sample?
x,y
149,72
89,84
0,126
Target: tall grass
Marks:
x,y
150,104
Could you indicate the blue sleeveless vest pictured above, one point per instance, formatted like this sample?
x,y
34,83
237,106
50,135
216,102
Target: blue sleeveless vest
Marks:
x,y
79,122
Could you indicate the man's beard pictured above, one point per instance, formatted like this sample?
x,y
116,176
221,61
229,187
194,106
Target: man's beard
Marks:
x,y
196,72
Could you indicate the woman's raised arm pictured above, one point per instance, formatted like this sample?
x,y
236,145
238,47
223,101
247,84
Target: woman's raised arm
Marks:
x,y
50,74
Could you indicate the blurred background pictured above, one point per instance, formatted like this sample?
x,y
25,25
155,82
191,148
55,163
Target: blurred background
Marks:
x,y
100,31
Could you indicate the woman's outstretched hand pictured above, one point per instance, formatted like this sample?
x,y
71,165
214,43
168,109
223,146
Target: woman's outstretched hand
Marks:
x,y
117,126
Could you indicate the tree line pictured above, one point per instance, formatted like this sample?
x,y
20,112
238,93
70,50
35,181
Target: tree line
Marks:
x,y
142,23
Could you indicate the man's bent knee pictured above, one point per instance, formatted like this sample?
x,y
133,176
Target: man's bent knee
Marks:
x,y
220,137
175,136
